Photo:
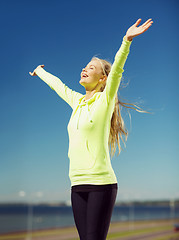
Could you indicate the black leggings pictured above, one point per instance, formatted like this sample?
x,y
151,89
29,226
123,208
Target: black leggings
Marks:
x,y
92,212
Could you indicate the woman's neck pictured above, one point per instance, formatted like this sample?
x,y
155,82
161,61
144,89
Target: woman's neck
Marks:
x,y
89,94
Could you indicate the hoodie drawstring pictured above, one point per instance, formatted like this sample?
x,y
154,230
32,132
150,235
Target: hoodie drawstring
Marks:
x,y
79,116
88,112
89,116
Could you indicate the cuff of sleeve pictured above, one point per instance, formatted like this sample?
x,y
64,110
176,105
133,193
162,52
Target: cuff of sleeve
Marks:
x,y
39,70
124,47
41,73
126,41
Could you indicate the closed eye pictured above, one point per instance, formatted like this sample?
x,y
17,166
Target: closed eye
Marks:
x,y
90,67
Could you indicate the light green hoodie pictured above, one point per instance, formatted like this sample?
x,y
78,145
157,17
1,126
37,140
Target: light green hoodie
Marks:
x,y
89,125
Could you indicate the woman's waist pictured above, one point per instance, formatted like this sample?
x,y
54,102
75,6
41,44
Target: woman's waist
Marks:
x,y
93,187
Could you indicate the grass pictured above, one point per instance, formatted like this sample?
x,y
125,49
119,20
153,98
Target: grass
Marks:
x,y
137,232
40,233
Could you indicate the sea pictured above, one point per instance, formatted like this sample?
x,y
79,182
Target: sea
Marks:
x,y
27,217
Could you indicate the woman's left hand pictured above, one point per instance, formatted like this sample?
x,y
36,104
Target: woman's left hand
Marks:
x,y
134,31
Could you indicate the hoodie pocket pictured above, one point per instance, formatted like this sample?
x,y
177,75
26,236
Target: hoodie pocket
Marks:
x,y
92,156
83,158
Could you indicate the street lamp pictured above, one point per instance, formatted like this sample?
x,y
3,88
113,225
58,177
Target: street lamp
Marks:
x,y
29,216
172,210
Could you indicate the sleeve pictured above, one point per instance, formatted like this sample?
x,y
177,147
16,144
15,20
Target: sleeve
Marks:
x,y
115,74
59,87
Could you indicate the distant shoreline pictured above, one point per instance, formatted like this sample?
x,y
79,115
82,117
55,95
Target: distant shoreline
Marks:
x,y
121,203
20,217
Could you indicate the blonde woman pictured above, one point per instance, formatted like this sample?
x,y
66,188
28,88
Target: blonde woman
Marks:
x,y
95,126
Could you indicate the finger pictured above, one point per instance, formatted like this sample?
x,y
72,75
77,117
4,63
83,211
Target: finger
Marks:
x,y
145,28
32,73
148,21
147,25
138,21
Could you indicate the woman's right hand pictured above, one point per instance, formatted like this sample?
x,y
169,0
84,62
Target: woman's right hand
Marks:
x,y
33,73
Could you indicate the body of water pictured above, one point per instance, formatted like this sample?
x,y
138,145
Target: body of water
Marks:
x,y
14,218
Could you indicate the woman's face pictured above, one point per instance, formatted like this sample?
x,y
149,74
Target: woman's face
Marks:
x,y
92,76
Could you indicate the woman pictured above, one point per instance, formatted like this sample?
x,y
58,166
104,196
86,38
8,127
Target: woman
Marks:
x,y
95,124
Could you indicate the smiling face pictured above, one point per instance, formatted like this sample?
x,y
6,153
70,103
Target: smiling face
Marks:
x,y
92,76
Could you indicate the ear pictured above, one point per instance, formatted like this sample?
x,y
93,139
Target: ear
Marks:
x,y
103,79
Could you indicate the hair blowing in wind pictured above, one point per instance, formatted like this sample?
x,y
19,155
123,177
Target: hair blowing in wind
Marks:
x,y
118,130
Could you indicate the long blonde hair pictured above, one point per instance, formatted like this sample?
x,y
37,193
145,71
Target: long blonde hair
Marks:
x,y
118,130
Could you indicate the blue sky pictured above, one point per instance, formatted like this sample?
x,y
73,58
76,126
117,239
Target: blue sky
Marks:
x,y
64,35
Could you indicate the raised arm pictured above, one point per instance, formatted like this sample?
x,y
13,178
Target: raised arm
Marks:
x,y
57,85
115,74
114,77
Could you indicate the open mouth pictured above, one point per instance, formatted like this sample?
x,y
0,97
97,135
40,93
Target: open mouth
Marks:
x,y
84,75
